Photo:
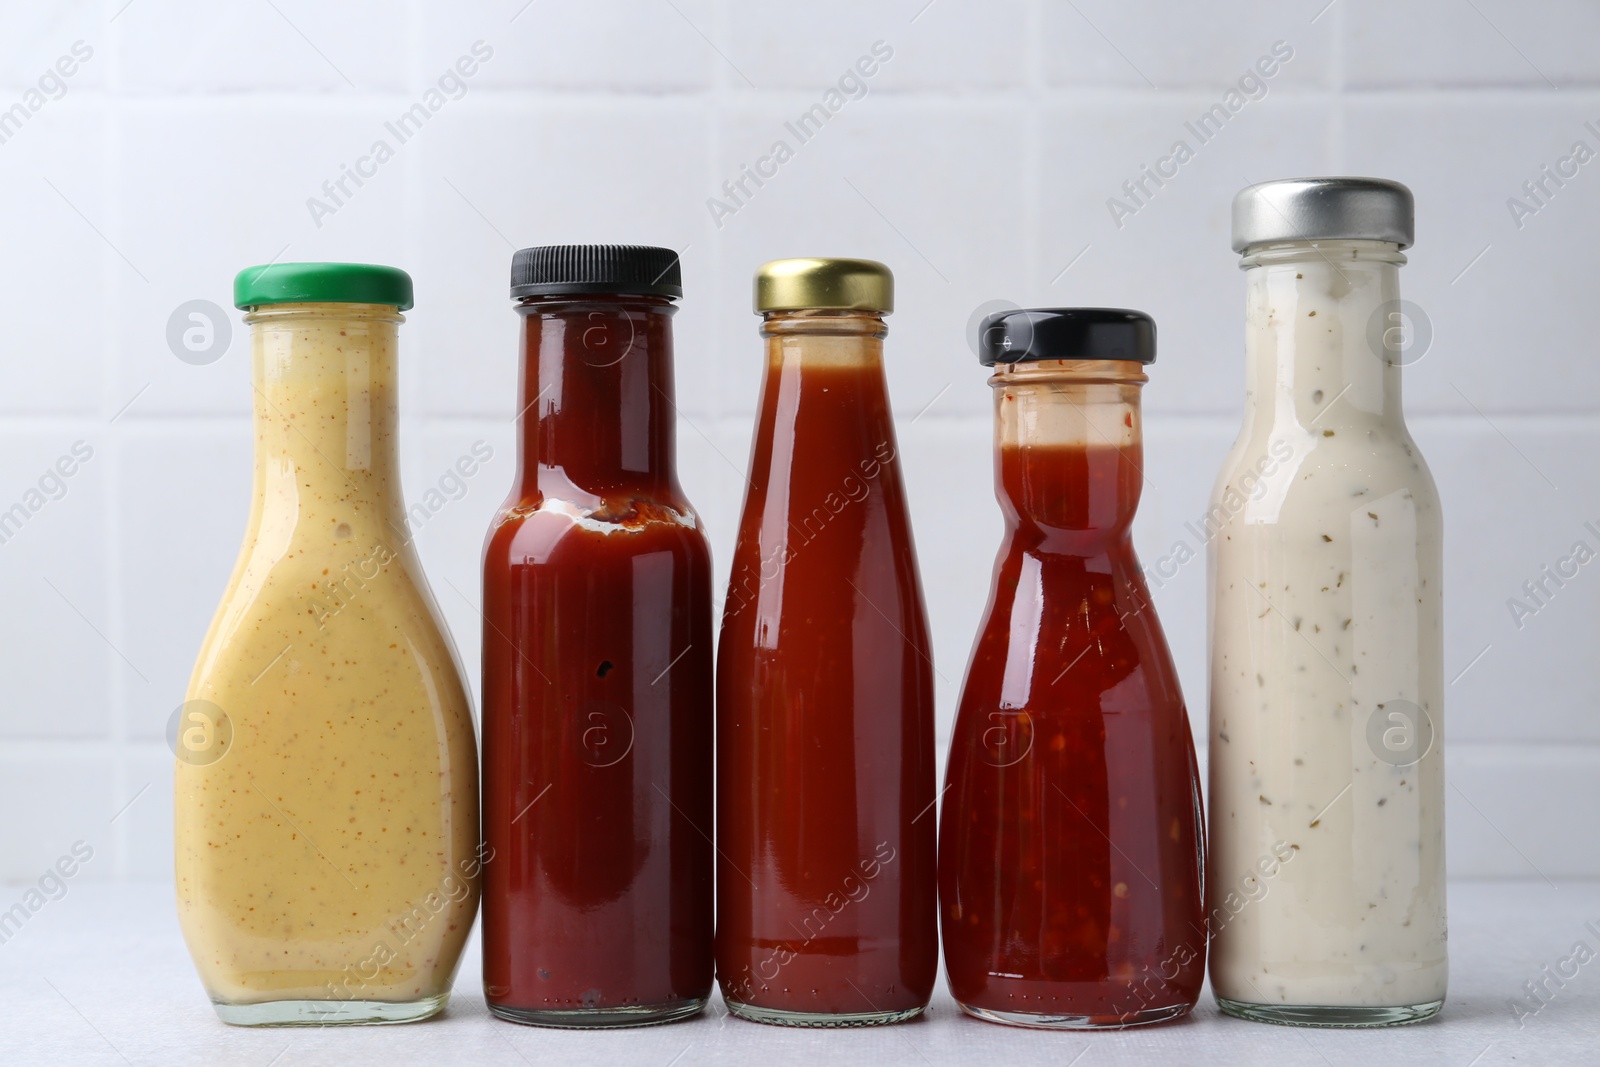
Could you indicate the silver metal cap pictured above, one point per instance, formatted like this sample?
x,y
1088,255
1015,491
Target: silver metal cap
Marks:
x,y
1323,209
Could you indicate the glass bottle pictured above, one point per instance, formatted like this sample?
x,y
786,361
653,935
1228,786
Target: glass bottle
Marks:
x,y
1071,835
326,814
1327,778
597,684
825,769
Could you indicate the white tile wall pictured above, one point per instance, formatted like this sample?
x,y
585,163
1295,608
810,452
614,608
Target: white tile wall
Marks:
x,y
1487,42
977,163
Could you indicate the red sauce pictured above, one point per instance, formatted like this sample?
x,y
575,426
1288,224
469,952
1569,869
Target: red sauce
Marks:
x,y
825,776
597,684
1070,840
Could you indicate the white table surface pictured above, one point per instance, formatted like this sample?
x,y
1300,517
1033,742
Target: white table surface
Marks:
x,y
101,976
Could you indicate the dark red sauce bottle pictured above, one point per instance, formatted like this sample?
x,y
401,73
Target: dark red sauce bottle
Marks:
x,y
1071,835
597,650
826,872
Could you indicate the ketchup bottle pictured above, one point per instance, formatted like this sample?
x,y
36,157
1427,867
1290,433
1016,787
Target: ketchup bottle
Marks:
x,y
1071,835
597,684
825,777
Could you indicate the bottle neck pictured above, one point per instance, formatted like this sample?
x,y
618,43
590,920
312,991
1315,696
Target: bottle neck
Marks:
x,y
824,338
597,417
1069,450
326,383
1325,335
825,398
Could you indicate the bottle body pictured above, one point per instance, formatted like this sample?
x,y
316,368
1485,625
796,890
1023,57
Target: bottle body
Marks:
x,y
597,686
1327,780
1070,838
825,775
327,853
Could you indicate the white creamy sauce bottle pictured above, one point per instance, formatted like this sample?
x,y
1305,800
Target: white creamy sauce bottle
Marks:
x,y
1326,876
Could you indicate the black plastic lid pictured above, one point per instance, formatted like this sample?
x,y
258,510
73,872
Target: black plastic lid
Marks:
x,y
1026,334
554,270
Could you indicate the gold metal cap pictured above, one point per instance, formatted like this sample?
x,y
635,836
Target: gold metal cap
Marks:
x,y
806,284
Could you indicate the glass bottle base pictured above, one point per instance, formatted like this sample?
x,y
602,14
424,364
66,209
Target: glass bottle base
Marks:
x,y
1339,1016
330,1012
602,1018
1049,1021
779,1017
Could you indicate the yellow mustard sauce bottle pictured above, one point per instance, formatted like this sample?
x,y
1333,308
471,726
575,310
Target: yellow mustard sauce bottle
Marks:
x,y
326,801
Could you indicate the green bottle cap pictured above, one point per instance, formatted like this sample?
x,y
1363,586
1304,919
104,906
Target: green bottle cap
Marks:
x,y
322,283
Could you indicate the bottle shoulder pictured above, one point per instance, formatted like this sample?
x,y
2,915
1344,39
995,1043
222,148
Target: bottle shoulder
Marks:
x,y
1277,473
543,531
367,611
1053,613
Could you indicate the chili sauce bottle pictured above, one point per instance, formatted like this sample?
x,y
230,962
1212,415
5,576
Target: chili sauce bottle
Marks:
x,y
597,684
1327,629
825,765
1070,839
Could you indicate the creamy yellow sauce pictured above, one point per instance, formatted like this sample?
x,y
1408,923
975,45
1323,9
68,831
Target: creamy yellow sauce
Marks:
x,y
330,852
